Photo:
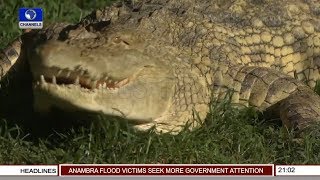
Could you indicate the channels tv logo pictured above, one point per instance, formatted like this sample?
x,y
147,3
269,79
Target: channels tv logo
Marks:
x,y
30,18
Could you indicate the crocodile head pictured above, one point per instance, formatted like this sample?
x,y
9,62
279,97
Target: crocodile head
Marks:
x,y
124,73
116,78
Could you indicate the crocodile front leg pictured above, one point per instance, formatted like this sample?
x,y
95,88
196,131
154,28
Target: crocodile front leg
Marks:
x,y
263,88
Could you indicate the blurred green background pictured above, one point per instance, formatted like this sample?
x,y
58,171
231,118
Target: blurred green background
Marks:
x,y
54,11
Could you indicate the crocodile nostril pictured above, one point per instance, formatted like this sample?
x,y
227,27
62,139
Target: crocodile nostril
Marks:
x,y
117,40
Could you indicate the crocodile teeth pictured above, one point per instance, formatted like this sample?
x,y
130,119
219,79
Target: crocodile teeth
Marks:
x,y
59,72
123,82
54,80
68,74
104,85
42,80
76,82
100,86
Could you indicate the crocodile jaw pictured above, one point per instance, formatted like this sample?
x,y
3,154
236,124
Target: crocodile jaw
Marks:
x,y
143,92
134,102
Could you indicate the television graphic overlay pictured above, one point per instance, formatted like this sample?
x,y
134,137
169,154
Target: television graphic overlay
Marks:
x,y
30,18
194,170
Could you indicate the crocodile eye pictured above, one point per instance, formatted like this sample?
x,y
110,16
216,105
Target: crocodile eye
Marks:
x,y
117,40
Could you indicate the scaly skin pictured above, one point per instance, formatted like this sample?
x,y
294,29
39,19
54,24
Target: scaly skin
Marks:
x,y
158,64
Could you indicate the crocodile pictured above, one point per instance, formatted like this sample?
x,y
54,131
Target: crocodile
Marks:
x,y
160,63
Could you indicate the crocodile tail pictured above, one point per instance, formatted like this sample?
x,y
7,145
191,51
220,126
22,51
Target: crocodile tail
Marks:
x,y
9,56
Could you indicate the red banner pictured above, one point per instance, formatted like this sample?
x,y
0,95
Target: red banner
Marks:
x,y
166,169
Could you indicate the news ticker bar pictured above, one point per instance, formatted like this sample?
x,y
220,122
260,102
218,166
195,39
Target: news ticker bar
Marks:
x,y
160,170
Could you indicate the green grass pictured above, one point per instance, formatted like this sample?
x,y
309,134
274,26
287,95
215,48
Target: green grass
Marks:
x,y
229,136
